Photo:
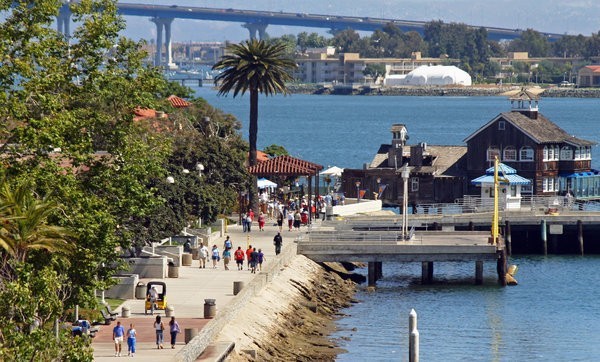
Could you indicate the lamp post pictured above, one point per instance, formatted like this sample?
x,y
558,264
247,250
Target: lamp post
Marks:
x,y
405,176
357,183
199,168
378,188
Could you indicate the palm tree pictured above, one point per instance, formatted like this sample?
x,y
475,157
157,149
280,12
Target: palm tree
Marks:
x,y
254,66
23,225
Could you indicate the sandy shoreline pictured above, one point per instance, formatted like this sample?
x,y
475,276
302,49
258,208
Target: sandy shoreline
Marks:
x,y
293,316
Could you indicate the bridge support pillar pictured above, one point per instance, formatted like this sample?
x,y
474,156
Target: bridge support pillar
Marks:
x,y
479,272
63,21
426,272
254,28
379,270
372,278
158,56
580,236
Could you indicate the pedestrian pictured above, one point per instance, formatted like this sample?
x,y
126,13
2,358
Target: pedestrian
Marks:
x,y
203,254
174,329
215,256
261,222
297,219
248,252
187,246
244,222
261,258
290,219
277,241
118,333
249,221
152,297
253,260
226,258
131,335
227,244
280,220
159,327
238,255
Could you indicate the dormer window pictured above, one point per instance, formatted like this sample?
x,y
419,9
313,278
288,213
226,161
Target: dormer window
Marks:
x,y
501,125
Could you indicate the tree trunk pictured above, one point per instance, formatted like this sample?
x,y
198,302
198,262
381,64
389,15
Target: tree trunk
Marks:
x,y
252,137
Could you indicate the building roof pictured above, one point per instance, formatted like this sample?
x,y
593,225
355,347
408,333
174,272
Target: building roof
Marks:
x,y
178,102
286,166
593,68
541,130
507,175
445,159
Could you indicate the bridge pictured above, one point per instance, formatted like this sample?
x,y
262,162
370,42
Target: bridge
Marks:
x,y
257,21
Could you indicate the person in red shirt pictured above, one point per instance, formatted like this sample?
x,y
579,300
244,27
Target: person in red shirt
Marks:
x,y
238,255
248,252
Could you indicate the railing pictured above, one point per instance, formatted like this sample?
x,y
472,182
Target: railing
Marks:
x,y
344,237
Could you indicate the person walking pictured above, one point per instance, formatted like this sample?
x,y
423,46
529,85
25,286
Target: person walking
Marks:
x,y
227,244
261,221
297,219
277,241
174,329
249,220
226,258
244,222
203,254
253,260
159,327
279,220
290,219
118,333
248,252
131,336
215,256
261,258
238,255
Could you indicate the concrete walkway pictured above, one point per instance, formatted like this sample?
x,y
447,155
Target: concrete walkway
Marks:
x,y
187,293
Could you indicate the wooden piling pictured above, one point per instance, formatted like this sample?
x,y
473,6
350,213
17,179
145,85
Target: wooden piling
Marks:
x,y
426,272
580,236
544,234
501,267
479,272
379,269
372,274
507,238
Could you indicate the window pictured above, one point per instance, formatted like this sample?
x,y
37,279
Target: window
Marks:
x,y
577,153
414,184
510,154
526,154
492,153
588,152
556,151
566,153
513,190
501,126
549,184
546,153
527,189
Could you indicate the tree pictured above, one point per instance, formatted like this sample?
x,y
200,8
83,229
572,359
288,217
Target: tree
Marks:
x,y
255,67
374,70
275,150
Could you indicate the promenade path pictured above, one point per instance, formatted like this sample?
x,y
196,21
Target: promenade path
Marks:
x,y
187,293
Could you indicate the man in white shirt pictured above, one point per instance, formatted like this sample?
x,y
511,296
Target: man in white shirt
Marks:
x,y
203,254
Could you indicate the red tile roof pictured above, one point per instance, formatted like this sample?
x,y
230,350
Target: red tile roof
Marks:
x,y
594,68
178,102
285,165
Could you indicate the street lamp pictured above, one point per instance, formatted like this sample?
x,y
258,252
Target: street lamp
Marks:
x,y
357,183
199,168
405,176
378,188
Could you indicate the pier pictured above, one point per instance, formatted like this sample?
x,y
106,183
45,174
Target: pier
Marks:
x,y
340,244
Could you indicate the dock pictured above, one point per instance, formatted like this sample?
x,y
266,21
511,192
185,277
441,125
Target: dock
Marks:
x,y
338,243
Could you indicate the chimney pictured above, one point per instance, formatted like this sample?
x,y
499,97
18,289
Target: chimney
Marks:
x,y
416,155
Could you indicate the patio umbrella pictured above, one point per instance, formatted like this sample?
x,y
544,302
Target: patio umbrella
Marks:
x,y
332,171
263,183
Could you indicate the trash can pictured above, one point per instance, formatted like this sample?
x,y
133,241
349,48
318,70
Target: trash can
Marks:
x,y
173,270
186,259
237,287
190,333
125,312
140,291
328,212
170,311
210,308
195,253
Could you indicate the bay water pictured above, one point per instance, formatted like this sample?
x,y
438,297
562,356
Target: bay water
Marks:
x,y
554,312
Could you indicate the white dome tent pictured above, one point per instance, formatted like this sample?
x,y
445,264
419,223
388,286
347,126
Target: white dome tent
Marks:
x,y
434,75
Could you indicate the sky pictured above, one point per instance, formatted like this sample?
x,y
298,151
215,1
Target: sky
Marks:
x,y
555,16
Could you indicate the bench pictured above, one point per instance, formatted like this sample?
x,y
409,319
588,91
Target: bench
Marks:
x,y
110,312
107,317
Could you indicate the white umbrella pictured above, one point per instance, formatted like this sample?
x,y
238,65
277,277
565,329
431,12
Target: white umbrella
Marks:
x,y
332,171
263,183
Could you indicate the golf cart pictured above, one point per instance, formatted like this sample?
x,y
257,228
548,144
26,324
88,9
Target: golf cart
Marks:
x,y
160,299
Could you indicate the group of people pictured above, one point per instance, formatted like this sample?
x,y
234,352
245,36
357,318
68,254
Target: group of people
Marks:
x,y
159,327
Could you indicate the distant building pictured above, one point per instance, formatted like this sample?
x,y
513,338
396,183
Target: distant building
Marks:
x,y
348,67
431,75
523,139
589,76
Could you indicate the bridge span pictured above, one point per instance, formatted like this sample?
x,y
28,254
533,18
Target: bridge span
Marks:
x,y
256,21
